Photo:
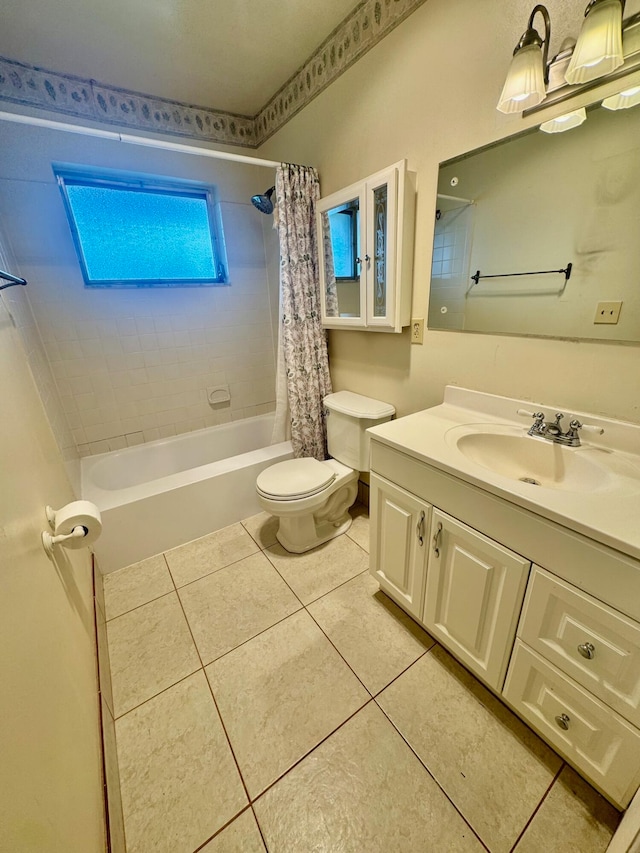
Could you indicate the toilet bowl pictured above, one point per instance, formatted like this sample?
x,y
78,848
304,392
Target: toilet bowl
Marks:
x,y
311,498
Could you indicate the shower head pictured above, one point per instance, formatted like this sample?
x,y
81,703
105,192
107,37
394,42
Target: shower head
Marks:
x,y
263,202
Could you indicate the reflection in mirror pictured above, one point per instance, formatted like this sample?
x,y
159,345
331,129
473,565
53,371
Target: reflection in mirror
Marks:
x,y
535,203
341,247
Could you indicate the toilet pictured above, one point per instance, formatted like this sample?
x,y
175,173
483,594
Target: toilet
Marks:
x,y
310,498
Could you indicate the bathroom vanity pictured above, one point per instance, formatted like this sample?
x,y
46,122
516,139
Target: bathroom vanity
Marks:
x,y
522,557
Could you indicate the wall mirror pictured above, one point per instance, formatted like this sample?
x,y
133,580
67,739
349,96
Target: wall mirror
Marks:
x,y
537,202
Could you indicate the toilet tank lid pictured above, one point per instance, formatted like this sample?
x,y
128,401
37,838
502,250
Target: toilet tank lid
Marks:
x,y
350,403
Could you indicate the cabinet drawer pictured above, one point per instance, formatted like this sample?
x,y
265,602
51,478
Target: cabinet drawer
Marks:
x,y
603,746
591,642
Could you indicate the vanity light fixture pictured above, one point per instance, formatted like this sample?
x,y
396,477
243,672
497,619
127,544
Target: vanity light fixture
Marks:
x,y
623,100
598,51
564,122
528,73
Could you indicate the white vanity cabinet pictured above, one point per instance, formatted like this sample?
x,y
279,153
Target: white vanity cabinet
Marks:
x,y
365,245
498,587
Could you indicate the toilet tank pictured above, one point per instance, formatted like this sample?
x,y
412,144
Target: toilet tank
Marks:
x,y
349,415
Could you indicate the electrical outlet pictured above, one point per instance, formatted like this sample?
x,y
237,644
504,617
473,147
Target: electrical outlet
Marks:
x,y
417,330
607,312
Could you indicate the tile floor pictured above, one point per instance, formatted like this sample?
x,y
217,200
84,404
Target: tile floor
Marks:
x,y
267,700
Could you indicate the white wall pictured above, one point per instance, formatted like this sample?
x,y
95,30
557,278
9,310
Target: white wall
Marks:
x,y
18,304
134,365
427,92
51,784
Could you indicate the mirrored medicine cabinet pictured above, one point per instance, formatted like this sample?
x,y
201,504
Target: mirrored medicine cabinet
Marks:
x,y
365,239
511,217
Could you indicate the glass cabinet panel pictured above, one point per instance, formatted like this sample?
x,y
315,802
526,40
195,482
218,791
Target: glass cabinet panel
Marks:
x,y
341,256
381,226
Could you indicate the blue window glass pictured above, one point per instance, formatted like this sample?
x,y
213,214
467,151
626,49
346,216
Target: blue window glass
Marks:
x,y
141,235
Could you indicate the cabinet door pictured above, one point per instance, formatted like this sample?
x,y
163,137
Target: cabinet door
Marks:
x,y
399,525
473,596
381,195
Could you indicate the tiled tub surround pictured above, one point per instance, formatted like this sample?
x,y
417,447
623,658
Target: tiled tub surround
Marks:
x,y
133,365
137,368
267,700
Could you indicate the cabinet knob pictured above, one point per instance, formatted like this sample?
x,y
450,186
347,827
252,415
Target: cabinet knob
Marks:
x,y
563,721
420,529
436,539
587,650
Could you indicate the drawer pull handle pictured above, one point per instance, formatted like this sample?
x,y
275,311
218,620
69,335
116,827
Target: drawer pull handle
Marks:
x,y
587,650
563,721
436,539
420,529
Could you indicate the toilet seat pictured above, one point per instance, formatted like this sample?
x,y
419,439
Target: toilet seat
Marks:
x,y
294,479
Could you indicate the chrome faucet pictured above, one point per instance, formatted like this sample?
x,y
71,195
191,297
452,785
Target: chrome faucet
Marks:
x,y
552,431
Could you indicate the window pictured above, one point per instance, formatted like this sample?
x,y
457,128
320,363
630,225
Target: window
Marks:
x,y
131,232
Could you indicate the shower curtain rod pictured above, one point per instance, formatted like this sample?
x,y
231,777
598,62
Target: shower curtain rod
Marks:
x,y
136,140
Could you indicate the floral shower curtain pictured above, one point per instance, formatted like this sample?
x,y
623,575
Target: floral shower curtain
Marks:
x,y
303,341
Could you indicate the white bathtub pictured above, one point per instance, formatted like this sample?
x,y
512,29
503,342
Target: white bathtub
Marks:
x,y
158,495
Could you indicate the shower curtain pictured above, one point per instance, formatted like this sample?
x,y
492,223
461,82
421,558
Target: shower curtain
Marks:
x,y
302,340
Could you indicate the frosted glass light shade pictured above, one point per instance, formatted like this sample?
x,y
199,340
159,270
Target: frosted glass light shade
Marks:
x,y
623,100
564,122
524,86
599,48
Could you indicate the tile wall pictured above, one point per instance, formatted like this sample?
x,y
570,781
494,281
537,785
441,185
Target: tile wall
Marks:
x,y
134,366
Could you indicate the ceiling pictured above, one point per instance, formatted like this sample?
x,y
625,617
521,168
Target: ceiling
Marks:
x,y
232,55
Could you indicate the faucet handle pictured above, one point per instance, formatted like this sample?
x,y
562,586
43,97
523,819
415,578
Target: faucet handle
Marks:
x,y
576,425
537,416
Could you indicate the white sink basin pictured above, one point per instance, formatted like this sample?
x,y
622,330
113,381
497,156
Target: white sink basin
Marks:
x,y
510,452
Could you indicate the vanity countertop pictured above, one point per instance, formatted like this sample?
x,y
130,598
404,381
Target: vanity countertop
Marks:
x,y
608,513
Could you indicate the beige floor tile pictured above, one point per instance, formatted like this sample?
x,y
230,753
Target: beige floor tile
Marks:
x,y
135,585
359,530
362,791
180,783
242,836
262,528
376,638
150,649
234,604
573,818
494,768
215,551
280,694
319,571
